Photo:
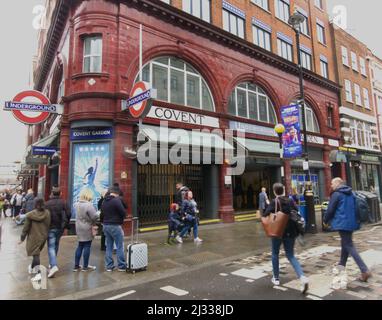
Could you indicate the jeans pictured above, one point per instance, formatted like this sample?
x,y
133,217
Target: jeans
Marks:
x,y
347,247
188,226
289,252
54,237
114,234
83,246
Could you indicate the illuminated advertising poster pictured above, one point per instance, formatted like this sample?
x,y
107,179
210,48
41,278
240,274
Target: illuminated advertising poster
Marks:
x,y
91,170
292,135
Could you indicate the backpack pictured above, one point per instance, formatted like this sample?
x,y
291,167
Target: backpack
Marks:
x,y
361,208
299,221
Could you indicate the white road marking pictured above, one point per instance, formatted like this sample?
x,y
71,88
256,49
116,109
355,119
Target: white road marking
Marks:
x,y
223,274
250,280
121,295
255,273
176,291
313,297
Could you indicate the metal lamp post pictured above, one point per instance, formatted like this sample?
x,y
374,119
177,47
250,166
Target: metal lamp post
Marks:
x,y
280,129
295,21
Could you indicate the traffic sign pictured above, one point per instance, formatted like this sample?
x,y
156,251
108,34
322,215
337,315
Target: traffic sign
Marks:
x,y
41,110
141,100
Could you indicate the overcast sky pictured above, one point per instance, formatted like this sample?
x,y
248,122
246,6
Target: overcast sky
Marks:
x,y
18,45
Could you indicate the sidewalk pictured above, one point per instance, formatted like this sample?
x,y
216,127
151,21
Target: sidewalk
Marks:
x,y
222,243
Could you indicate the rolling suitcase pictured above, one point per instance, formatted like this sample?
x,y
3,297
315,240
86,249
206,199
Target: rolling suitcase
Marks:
x,y
137,253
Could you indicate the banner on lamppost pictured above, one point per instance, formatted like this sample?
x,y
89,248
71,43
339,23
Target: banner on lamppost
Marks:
x,y
292,136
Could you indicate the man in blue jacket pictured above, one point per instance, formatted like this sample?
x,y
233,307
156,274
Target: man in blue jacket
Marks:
x,y
341,214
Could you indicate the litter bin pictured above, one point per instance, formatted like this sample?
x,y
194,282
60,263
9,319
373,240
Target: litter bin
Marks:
x,y
373,203
324,207
303,212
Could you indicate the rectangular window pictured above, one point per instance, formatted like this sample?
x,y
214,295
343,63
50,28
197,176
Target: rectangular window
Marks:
x,y
321,33
285,50
198,8
261,38
354,61
330,117
362,66
261,3
304,26
318,3
349,95
92,54
357,92
366,98
233,23
324,69
306,60
282,9
345,56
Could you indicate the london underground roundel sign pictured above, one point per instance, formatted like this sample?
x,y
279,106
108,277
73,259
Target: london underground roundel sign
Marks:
x,y
141,100
30,113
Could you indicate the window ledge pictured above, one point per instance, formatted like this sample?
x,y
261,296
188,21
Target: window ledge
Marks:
x,y
101,75
266,10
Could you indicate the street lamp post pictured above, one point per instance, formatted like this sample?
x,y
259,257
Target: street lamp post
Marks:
x,y
295,21
280,129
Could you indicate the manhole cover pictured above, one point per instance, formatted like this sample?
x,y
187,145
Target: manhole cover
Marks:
x,y
199,258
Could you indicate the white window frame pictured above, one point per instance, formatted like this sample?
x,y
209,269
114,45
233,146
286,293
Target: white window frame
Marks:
x,y
354,61
258,93
304,26
321,34
282,10
324,69
345,56
285,49
190,5
229,28
262,38
186,73
362,64
264,4
366,99
348,90
357,94
318,4
306,60
92,55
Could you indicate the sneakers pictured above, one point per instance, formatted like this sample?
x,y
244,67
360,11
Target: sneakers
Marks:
x,y
31,271
36,278
110,269
179,239
122,270
275,281
198,240
52,272
304,284
75,269
89,268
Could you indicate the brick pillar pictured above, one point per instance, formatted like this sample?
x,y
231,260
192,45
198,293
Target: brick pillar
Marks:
x,y
64,162
226,212
122,164
288,177
327,172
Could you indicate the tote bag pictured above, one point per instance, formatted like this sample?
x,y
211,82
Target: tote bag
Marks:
x,y
275,224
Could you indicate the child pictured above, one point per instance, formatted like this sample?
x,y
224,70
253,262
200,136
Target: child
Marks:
x,y
174,222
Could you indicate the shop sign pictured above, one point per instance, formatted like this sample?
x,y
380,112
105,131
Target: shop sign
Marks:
x,y
333,143
313,139
350,150
141,100
43,151
292,136
252,128
32,113
183,116
91,134
369,158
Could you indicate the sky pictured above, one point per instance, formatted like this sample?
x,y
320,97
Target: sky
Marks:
x,y
18,40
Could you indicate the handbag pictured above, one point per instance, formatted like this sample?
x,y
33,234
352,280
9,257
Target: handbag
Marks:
x,y
94,231
274,225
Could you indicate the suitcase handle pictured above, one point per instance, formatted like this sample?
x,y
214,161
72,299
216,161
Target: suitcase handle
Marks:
x,y
134,220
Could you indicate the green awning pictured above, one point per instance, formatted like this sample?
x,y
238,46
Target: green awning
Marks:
x,y
259,146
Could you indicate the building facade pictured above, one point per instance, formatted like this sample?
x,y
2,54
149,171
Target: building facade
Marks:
x,y
359,125
225,65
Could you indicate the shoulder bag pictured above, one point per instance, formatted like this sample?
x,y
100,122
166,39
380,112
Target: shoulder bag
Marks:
x,y
275,224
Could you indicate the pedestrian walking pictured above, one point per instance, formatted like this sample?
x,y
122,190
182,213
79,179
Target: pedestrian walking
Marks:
x,y
28,206
36,230
342,216
60,219
85,223
17,202
174,222
113,214
263,200
285,205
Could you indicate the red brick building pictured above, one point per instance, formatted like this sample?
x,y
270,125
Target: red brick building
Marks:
x,y
204,65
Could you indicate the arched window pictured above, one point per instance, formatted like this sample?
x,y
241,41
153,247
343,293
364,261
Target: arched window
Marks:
x,y
248,100
178,82
310,118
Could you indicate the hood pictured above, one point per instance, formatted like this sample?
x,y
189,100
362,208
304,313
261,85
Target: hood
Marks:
x,y
38,216
109,197
29,196
345,189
